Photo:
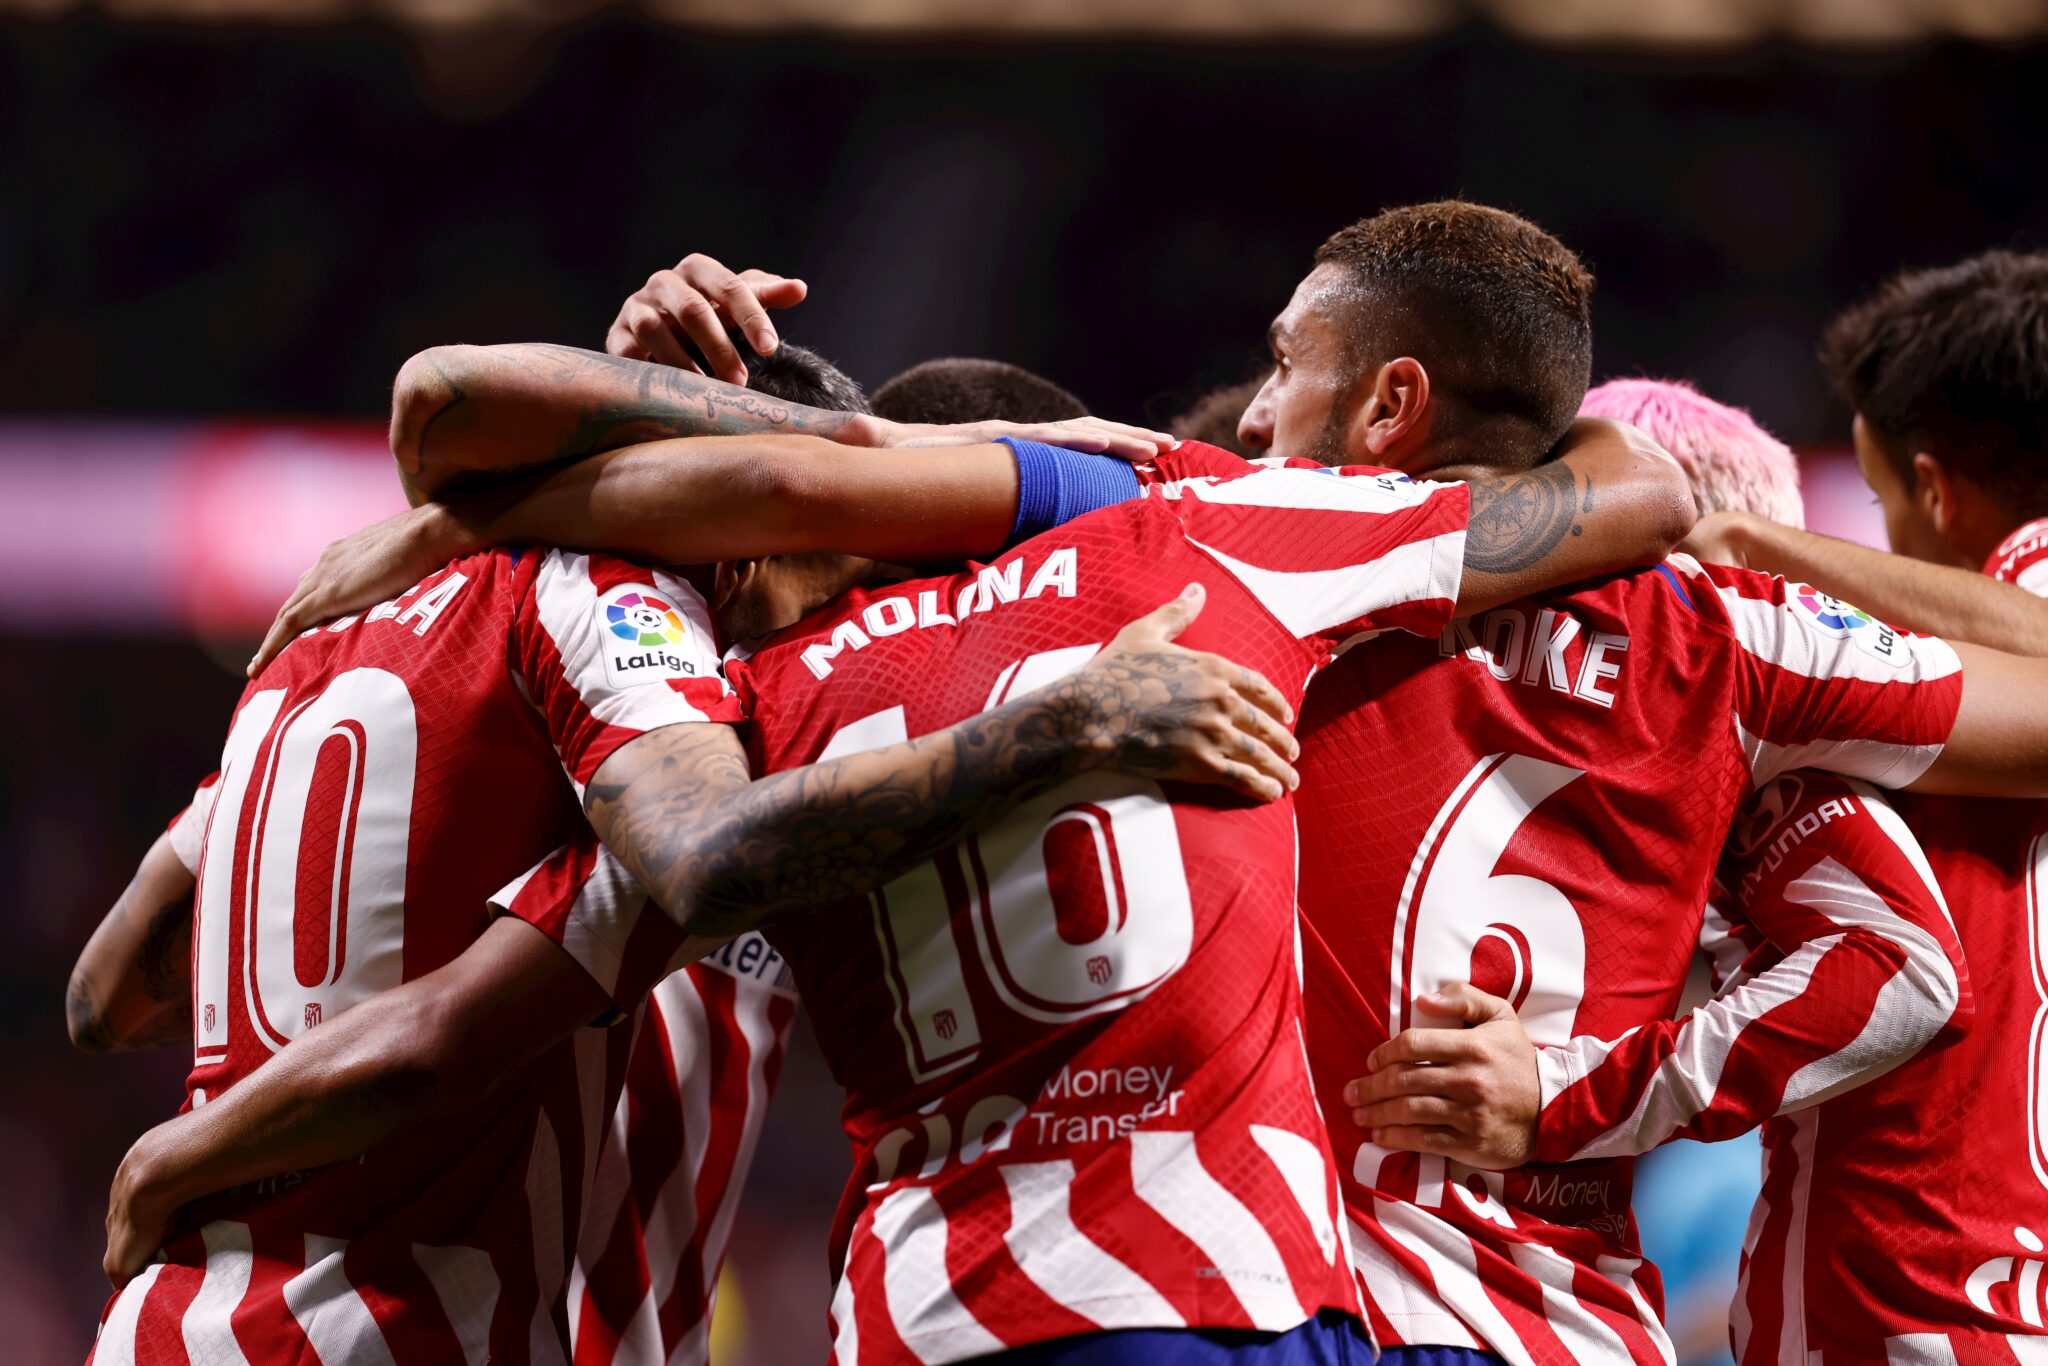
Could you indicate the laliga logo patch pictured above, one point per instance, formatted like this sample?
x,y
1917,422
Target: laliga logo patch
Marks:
x,y
641,636
1844,621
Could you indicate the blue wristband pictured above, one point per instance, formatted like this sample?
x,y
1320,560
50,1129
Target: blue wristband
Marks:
x,y
1055,485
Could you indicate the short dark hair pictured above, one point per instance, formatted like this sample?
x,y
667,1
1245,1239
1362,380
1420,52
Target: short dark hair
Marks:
x,y
797,374
1497,310
1955,360
1214,417
969,389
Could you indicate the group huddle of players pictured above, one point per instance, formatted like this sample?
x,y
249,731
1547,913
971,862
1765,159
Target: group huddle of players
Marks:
x,y
1247,906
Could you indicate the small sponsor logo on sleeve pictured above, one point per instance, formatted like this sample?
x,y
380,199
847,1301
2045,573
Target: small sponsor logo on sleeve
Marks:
x,y
643,637
1843,621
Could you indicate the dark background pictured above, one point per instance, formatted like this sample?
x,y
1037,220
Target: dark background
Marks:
x,y
205,221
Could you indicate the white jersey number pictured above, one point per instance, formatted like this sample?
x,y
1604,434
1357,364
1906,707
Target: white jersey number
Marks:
x,y
1078,901
330,780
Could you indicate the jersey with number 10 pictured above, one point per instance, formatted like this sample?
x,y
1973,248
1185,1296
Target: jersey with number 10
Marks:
x,y
381,780
1071,1048
1535,802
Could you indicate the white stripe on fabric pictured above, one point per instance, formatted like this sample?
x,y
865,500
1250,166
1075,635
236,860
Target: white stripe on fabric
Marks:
x,y
1399,1296
1562,1066
601,918
1792,1330
1069,1266
911,1230
1888,819
752,1003
544,1210
467,1286
565,600
1782,634
1919,1349
116,1345
1876,761
2034,578
694,1347
1307,1173
1910,1008
845,1327
609,1184
1310,601
502,899
230,1257
1310,490
1689,1076
674,1218
330,1312
1581,1331
2031,1351
1167,1174
1454,1269
1622,1271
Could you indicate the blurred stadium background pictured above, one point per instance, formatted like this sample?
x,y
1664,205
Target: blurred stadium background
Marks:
x,y
224,223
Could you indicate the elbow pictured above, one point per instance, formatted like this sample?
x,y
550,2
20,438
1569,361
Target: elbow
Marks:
x,y
86,1024
427,385
1669,513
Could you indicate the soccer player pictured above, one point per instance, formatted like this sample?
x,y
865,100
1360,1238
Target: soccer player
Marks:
x,y
379,780
1920,1201
1830,941
1555,847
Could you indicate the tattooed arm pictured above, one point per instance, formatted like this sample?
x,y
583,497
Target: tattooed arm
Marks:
x,y
721,854
1612,500
461,415
131,988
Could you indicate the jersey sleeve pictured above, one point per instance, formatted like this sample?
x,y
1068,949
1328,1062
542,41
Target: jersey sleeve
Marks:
x,y
1332,554
1822,684
586,901
188,828
1859,971
2022,558
608,650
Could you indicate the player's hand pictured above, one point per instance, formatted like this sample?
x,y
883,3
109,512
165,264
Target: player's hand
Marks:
x,y
693,305
1468,1094
139,1210
362,569
1719,538
1164,711
1091,435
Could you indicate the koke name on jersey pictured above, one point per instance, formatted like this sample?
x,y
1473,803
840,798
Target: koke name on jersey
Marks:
x,y
1003,582
1540,648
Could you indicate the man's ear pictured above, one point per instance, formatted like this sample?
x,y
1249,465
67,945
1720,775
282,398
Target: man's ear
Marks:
x,y
1395,414
728,578
1934,492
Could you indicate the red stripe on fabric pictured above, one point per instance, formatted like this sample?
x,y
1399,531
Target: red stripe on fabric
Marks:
x,y
727,1056
984,1275
1612,1305
1105,1207
159,1329
402,1301
620,1279
1763,1267
879,1340
262,1323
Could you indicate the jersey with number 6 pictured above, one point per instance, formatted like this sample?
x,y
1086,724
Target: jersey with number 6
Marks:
x,y
1535,802
1071,1048
380,781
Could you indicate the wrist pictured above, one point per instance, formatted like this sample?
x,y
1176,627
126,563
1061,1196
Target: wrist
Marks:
x,y
154,1174
439,534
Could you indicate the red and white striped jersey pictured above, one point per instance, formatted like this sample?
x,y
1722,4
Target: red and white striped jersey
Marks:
x,y
1905,1221
188,828
1535,802
1854,970
707,1048
380,780
1076,1090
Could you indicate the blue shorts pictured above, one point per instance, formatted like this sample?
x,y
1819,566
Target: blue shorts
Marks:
x,y
1438,1356
1329,1339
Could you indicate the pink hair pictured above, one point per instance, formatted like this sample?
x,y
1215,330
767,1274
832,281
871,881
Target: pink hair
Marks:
x,y
1734,465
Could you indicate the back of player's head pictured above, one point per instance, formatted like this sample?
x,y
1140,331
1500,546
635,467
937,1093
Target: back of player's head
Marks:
x,y
1498,311
968,389
1734,464
797,374
1214,417
1954,362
